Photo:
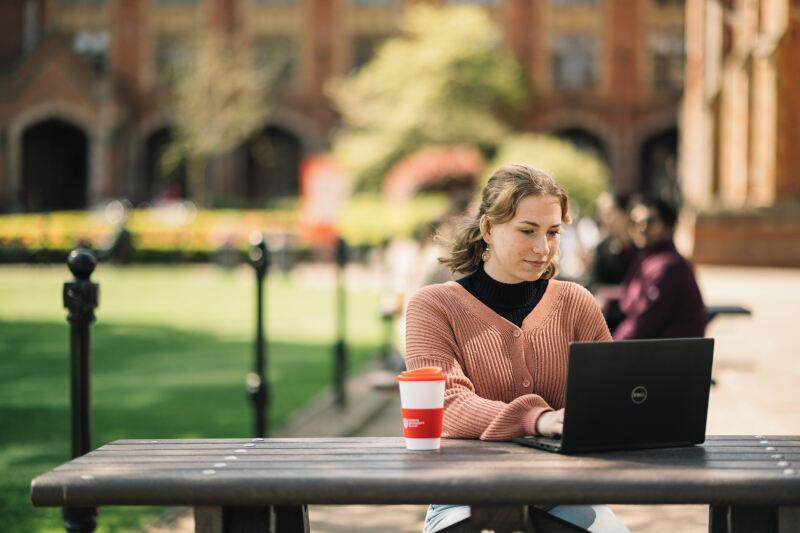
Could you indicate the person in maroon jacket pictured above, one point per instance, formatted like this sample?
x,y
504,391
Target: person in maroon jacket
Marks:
x,y
660,297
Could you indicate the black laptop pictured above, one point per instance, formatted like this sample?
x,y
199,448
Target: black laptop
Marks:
x,y
624,395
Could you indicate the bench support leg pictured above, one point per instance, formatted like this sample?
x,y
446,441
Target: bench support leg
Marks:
x,y
79,519
741,519
270,519
291,519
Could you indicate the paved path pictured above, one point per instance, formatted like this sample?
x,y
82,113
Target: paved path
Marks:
x,y
756,365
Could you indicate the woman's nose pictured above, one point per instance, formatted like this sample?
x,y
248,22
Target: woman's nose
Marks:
x,y
540,245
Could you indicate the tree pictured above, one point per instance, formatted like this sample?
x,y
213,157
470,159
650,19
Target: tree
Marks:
x,y
218,97
582,173
445,80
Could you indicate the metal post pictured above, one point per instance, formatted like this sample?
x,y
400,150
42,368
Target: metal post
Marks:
x,y
257,383
388,326
340,360
80,298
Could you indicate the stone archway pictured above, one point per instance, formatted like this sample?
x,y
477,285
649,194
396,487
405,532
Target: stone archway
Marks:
x,y
54,167
658,164
273,158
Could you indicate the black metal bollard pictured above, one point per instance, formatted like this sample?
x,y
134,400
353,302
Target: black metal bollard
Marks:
x,y
80,297
257,383
340,355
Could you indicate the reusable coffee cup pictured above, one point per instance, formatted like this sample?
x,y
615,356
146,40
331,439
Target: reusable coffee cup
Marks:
x,y
422,403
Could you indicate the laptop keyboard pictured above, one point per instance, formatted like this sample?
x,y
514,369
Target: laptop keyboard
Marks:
x,y
550,442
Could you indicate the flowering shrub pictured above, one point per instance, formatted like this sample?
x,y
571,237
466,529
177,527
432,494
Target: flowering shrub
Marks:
x,y
180,232
167,232
433,167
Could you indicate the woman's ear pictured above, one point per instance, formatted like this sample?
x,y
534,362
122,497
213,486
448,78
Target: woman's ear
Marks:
x,y
486,229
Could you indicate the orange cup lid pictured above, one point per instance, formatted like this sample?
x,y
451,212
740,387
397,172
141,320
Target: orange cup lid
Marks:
x,y
428,373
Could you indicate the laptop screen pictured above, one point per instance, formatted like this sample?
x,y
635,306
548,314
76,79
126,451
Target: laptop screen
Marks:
x,y
637,393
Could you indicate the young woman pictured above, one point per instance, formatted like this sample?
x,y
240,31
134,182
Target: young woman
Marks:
x,y
501,334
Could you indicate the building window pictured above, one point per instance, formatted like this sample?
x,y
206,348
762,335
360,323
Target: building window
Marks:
x,y
362,49
171,53
573,60
93,46
667,52
30,25
276,55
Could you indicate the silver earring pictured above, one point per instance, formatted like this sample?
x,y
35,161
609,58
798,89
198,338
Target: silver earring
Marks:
x,y
487,253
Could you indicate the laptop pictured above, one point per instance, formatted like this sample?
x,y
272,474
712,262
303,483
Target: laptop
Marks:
x,y
623,395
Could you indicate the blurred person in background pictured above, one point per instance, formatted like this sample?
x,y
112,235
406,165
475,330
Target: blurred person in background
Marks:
x,y
415,263
614,254
660,297
120,250
434,237
501,333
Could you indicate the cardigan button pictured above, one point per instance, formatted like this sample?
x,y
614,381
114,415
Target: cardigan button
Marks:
x,y
516,333
526,383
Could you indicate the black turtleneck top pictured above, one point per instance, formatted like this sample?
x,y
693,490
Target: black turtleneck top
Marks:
x,y
512,301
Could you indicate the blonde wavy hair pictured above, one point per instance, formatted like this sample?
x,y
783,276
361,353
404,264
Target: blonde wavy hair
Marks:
x,y
499,201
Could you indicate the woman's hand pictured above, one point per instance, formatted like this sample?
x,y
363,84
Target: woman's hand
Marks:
x,y
551,423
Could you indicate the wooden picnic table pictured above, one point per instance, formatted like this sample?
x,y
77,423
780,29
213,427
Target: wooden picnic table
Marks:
x,y
238,485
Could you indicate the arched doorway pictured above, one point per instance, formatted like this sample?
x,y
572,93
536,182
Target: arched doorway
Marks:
x,y
273,165
54,167
161,184
658,162
584,139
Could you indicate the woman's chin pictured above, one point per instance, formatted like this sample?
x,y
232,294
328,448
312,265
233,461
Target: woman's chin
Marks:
x,y
532,272
530,276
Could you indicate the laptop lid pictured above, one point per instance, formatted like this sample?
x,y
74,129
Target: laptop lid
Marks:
x,y
637,394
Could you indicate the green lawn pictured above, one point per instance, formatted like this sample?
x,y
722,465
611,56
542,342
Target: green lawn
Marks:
x,y
170,350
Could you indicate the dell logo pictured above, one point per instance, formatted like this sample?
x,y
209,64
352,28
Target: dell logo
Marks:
x,y
638,394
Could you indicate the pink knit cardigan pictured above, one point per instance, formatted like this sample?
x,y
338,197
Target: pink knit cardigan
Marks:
x,y
500,378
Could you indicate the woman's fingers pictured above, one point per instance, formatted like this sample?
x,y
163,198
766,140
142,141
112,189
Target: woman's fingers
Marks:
x,y
551,423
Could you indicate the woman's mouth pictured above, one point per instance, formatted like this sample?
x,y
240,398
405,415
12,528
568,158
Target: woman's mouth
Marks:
x,y
536,263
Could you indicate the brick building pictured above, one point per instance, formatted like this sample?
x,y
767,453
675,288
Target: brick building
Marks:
x,y
740,162
85,114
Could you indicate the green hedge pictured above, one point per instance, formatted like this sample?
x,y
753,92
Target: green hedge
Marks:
x,y
158,234
183,234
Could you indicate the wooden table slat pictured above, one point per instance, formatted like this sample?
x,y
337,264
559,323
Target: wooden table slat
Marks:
x,y
380,471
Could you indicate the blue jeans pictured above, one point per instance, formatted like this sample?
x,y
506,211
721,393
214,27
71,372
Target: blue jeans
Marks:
x,y
595,518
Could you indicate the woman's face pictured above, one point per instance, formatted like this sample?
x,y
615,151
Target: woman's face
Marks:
x,y
523,247
647,227
615,221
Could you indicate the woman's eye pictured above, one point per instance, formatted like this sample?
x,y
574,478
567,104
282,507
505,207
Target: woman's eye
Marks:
x,y
526,231
554,232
